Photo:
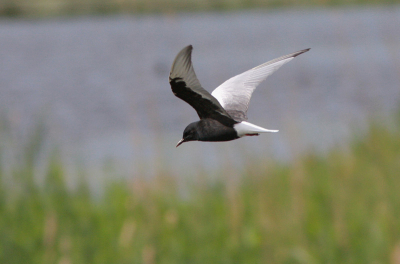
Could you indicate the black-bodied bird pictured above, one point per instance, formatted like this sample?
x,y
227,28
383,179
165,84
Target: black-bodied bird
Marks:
x,y
223,112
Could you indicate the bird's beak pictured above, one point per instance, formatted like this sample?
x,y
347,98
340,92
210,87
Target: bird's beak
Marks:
x,y
180,142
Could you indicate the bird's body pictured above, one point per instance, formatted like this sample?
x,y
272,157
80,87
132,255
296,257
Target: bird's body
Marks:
x,y
223,113
209,129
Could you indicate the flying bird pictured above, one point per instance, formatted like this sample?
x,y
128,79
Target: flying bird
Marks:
x,y
223,113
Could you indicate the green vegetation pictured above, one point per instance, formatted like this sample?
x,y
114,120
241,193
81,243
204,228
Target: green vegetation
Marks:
x,y
40,8
342,208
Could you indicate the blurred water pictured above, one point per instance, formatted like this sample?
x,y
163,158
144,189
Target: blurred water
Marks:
x,y
101,84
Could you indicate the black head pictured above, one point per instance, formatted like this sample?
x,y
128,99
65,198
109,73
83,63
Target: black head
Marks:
x,y
190,133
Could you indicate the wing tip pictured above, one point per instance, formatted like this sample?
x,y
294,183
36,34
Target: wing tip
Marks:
x,y
188,48
185,52
182,62
300,52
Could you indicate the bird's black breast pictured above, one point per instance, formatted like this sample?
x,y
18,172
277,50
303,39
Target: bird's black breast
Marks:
x,y
211,130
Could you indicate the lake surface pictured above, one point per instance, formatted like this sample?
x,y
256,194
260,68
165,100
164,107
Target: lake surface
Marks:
x,y
100,84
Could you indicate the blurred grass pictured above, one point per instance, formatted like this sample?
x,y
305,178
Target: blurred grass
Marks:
x,y
45,8
342,208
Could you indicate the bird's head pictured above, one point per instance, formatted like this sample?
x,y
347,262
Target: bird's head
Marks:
x,y
189,134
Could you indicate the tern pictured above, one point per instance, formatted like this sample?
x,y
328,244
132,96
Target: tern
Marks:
x,y
223,113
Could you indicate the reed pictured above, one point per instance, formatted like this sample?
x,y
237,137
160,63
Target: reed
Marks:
x,y
341,208
46,8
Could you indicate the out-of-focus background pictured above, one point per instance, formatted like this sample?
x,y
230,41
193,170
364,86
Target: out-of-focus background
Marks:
x,y
89,171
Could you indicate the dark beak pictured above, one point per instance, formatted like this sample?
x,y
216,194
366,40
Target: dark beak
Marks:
x,y
180,142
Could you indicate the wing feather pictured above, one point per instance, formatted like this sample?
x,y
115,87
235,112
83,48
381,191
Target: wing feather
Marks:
x,y
234,94
186,86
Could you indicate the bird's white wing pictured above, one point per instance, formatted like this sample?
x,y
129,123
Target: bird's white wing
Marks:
x,y
234,94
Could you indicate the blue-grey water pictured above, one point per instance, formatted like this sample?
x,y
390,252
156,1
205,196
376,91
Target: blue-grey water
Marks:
x,y
100,84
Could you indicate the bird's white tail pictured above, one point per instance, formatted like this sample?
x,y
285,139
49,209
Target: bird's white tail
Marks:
x,y
246,128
